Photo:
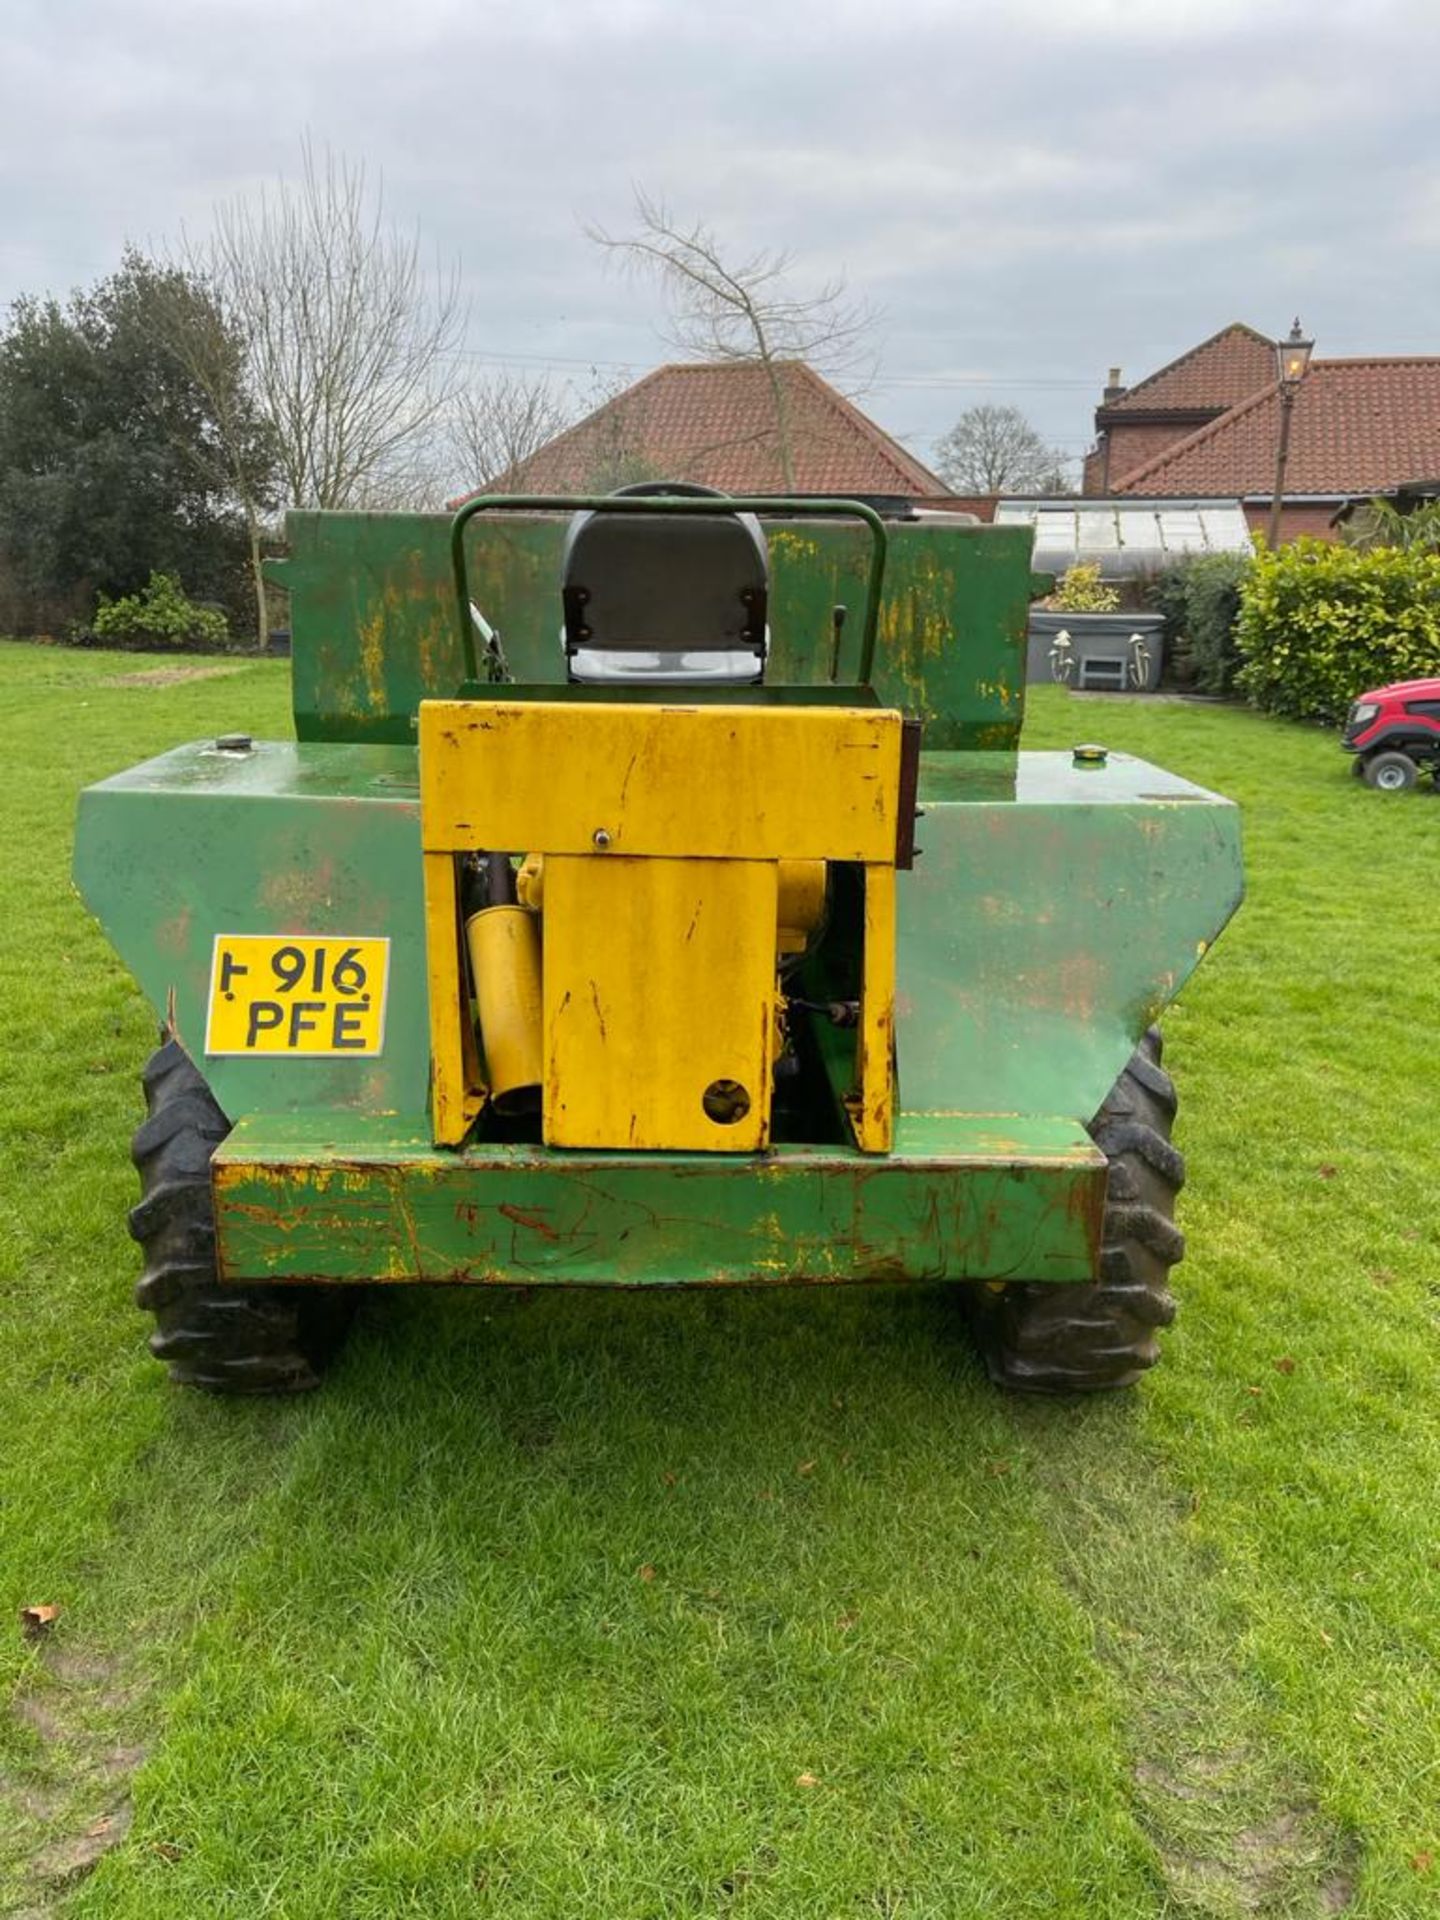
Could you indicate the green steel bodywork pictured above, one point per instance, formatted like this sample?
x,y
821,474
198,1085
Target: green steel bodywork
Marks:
x,y
1053,913
374,632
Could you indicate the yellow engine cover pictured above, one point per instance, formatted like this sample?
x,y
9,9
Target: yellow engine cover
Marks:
x,y
663,831
659,985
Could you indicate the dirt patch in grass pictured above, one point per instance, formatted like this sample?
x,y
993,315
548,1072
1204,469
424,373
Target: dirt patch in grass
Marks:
x,y
166,676
70,1804
64,1862
1265,1869
1233,1819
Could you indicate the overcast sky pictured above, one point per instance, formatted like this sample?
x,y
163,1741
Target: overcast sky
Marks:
x,y
1031,192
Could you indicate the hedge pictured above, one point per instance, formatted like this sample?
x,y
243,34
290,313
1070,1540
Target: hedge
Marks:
x,y
1200,597
1320,623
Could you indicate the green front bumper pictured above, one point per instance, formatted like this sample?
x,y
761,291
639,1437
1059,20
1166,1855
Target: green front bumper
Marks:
x,y
983,1197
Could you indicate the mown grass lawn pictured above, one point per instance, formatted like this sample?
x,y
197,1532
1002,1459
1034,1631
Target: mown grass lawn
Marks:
x,y
746,1605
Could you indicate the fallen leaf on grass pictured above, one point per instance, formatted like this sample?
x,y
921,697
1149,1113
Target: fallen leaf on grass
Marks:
x,y
1255,1392
846,1621
1284,1364
100,1826
1327,1172
35,1621
1422,1862
670,1479
167,1849
806,1780
995,1468
647,1572
1380,1276
806,1466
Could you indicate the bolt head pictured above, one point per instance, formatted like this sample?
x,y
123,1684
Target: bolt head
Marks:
x,y
601,838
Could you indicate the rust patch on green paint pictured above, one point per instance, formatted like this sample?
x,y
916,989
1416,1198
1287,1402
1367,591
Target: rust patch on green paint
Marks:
x,y
291,892
371,636
525,1216
173,935
374,628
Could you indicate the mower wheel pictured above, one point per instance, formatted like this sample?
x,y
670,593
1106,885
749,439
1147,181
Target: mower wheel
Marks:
x,y
228,1339
1044,1337
1392,772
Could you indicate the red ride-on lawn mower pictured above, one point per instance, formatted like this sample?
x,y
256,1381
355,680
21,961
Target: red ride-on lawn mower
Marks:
x,y
1393,733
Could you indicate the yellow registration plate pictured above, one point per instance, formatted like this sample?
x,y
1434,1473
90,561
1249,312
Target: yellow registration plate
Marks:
x,y
297,993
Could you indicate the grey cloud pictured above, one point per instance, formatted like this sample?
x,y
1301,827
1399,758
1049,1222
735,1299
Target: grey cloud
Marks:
x,y
1031,192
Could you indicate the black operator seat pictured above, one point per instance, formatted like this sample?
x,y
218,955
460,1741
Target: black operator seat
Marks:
x,y
666,597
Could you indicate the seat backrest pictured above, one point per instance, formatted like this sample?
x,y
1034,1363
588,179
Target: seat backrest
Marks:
x,y
665,584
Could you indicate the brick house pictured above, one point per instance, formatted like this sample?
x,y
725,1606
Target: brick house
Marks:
x,y
1135,424
718,424
1208,424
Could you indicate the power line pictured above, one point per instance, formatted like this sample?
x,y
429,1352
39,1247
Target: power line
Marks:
x,y
925,382
974,380
544,359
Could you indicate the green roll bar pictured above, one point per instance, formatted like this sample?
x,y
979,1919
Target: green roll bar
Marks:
x,y
670,503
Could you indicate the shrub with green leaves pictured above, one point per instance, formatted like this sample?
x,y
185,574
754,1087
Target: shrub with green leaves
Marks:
x,y
160,616
1200,599
1081,590
1320,623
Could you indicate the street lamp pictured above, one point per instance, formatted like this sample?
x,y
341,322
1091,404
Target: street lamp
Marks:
x,y
1292,362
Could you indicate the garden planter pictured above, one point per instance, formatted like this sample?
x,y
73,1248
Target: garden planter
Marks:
x,y
1096,652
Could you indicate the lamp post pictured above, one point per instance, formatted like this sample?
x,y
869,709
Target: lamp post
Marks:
x,y
1292,362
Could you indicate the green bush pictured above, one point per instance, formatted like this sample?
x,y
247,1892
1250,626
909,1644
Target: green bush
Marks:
x,y
1081,590
1320,623
1200,599
160,616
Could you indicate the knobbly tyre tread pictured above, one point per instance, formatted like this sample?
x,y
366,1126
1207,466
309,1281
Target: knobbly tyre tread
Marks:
x,y
222,1338
1039,1337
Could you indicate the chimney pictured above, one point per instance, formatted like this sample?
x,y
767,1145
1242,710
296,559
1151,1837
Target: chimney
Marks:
x,y
1113,389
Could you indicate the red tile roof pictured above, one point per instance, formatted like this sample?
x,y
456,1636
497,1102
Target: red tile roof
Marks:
x,y
1219,373
716,424
1359,426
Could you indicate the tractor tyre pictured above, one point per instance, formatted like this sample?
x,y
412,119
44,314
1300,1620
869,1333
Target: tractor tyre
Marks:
x,y
1083,1337
227,1339
1391,772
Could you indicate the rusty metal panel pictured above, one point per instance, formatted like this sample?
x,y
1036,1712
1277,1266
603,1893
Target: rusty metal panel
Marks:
x,y
659,987
1055,911
456,1093
963,1198
872,1108
736,783
373,625
318,841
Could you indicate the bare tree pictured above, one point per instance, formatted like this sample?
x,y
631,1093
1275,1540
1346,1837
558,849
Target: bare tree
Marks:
x,y
993,449
725,307
240,450
499,424
351,340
